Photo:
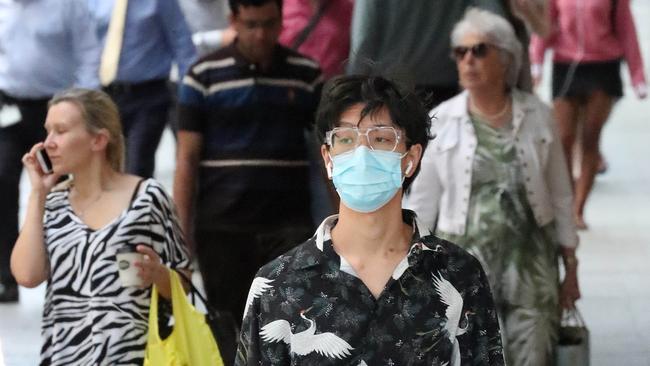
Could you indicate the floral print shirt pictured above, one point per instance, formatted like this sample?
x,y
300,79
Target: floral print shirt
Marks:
x,y
308,307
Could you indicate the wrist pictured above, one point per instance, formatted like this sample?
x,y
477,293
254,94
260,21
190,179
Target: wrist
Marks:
x,y
161,275
641,90
38,194
570,261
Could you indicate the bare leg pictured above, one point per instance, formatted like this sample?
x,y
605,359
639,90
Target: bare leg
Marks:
x,y
598,107
566,113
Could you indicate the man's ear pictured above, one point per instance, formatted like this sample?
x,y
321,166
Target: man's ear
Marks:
x,y
412,158
327,160
232,20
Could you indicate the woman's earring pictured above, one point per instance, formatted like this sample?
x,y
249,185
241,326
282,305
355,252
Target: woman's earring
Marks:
x,y
329,170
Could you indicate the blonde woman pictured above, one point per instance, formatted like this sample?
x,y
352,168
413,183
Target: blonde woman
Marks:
x,y
72,231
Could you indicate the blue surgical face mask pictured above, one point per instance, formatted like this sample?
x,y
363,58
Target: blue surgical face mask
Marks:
x,y
367,179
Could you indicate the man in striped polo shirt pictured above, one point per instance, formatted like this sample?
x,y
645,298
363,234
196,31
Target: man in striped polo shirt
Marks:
x,y
241,183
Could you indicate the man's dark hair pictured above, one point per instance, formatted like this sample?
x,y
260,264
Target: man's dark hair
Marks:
x,y
235,4
405,107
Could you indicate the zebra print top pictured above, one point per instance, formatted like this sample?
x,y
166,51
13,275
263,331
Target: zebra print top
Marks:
x,y
89,317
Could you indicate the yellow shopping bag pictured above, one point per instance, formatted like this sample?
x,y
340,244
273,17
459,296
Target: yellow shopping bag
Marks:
x,y
190,343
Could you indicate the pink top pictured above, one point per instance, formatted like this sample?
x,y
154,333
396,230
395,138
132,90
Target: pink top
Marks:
x,y
329,42
583,31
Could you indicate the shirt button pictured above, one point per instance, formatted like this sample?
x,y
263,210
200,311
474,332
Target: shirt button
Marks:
x,y
466,171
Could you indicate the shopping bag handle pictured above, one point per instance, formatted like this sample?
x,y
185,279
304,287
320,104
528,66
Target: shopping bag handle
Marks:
x,y
195,292
573,314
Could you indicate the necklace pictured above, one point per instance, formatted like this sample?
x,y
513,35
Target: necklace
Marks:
x,y
82,212
493,117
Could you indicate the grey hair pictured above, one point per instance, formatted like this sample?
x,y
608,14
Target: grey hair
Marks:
x,y
498,32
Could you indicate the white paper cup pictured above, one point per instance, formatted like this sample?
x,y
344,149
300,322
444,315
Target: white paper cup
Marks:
x,y
126,258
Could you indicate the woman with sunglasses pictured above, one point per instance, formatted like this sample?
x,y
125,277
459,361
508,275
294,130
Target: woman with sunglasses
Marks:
x,y
494,180
589,42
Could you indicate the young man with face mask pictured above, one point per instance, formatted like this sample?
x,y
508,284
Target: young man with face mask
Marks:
x,y
369,287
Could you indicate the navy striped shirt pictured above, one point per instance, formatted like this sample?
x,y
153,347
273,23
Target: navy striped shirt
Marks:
x,y
254,167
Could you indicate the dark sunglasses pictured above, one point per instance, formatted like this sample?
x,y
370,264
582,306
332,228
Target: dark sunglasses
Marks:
x,y
478,50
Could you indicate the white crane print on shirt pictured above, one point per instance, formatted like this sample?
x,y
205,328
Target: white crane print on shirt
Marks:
x,y
451,297
259,286
306,342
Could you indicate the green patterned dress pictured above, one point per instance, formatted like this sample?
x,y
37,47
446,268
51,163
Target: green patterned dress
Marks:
x,y
520,257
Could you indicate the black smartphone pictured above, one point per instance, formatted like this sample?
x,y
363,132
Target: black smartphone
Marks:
x,y
44,161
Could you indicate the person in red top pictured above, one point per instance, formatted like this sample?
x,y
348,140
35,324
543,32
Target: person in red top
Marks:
x,y
589,39
327,40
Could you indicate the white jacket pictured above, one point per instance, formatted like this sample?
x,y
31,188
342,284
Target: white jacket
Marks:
x,y
441,191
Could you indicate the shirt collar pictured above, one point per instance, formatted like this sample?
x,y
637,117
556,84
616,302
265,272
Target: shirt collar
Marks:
x,y
323,233
278,58
323,251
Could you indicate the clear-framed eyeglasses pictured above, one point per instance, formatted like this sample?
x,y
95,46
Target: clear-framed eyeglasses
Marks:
x,y
345,139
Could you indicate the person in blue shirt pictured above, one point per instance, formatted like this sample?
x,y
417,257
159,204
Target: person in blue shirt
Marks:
x,y
155,35
45,47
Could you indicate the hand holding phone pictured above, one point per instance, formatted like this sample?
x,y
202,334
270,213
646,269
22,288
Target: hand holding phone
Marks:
x,y
44,161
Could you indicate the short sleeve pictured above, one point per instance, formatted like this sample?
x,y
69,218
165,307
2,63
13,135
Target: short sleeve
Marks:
x,y
191,102
167,236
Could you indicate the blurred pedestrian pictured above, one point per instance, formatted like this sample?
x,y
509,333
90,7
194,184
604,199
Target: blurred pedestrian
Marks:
x,y
319,29
208,22
495,182
589,40
73,231
141,39
241,181
527,17
45,46
410,39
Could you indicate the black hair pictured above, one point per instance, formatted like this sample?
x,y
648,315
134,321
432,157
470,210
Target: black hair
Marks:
x,y
405,107
235,4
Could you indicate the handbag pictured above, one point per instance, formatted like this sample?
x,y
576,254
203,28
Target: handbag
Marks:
x,y
191,341
573,341
223,325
